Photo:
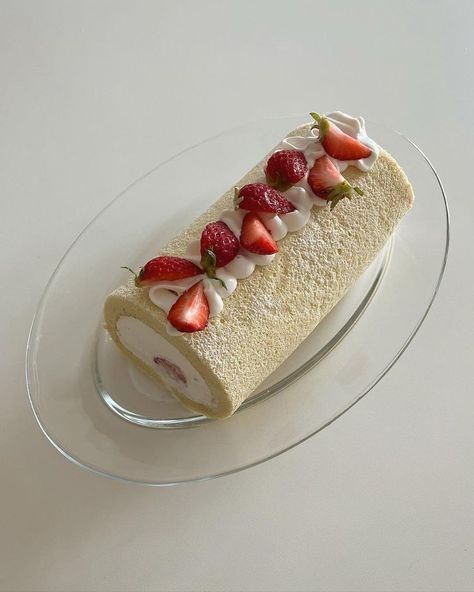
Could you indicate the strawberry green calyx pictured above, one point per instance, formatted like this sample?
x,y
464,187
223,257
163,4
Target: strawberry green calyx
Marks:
x,y
137,276
209,265
321,124
208,262
279,184
340,191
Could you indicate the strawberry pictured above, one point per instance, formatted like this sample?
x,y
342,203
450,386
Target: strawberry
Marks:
x,y
327,182
164,268
255,237
338,144
218,240
171,369
285,168
258,197
191,311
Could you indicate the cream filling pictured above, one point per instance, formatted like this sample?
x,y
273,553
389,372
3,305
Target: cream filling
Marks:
x,y
164,359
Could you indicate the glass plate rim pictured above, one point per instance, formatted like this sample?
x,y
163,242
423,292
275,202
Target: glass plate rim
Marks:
x,y
29,366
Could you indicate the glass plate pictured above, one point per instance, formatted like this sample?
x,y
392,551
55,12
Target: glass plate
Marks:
x,y
73,369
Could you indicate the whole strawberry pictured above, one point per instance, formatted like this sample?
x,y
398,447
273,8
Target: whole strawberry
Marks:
x,y
164,268
258,197
217,238
285,168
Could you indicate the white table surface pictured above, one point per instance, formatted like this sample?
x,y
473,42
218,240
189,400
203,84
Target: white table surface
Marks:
x,y
96,93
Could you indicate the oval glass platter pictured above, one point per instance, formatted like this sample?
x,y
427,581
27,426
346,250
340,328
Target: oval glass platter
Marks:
x,y
100,413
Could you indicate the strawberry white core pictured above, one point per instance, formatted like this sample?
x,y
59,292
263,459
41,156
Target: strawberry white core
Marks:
x,y
164,359
164,294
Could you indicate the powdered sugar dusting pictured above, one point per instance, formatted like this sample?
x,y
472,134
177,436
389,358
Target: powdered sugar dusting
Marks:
x,y
164,295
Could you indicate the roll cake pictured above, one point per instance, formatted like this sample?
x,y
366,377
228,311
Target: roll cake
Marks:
x,y
235,293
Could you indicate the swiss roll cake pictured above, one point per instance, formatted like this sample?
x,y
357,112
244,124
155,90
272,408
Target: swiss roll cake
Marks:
x,y
236,292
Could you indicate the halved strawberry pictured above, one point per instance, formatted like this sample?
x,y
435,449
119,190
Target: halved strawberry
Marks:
x,y
164,268
258,197
191,311
255,237
327,182
218,238
338,144
285,168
